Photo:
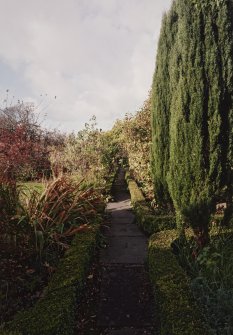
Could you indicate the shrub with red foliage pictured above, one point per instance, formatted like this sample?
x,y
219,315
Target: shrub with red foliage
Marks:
x,y
24,145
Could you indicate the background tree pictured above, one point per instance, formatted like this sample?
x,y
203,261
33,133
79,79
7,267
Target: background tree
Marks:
x,y
24,144
134,138
91,153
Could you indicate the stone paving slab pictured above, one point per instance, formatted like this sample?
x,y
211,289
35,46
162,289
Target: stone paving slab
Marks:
x,y
119,196
122,229
126,298
125,250
115,206
122,213
117,220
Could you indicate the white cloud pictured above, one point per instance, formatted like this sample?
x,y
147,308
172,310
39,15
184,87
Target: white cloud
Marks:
x,y
96,56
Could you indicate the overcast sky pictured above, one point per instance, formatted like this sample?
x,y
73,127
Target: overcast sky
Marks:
x,y
96,56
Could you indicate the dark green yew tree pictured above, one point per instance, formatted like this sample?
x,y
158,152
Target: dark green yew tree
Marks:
x,y
161,101
198,110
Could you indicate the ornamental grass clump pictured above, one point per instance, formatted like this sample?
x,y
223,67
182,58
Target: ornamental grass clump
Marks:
x,y
48,218
62,210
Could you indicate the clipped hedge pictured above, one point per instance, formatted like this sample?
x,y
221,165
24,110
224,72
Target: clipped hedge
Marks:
x,y
148,221
54,314
178,312
6,332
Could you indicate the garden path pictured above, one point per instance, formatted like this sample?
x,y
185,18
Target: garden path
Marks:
x,y
118,298
126,302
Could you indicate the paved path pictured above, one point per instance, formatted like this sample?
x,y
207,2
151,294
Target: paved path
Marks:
x,y
126,303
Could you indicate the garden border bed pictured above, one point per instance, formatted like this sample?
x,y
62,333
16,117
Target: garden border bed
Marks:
x,y
54,314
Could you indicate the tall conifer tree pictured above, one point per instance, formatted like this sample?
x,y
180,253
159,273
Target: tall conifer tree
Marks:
x,y
161,100
200,65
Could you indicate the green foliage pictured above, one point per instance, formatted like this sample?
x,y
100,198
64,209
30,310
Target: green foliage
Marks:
x,y
48,219
134,136
54,314
6,332
74,266
61,211
149,221
135,192
153,223
109,149
178,311
161,101
217,306
33,186
79,153
193,109
91,153
211,272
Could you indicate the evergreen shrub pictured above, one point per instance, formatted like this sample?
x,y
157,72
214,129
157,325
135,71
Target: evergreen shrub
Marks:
x,y
193,110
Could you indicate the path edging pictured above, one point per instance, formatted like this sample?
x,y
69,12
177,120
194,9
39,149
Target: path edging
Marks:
x,y
147,220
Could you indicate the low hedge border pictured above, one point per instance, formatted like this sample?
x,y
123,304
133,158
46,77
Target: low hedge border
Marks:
x,y
178,312
5,332
148,221
54,314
